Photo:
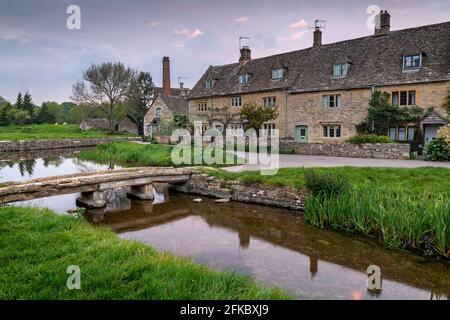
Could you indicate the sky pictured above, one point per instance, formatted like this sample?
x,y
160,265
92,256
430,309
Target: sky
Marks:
x,y
40,54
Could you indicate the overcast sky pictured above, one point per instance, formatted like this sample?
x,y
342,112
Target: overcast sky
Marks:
x,y
40,54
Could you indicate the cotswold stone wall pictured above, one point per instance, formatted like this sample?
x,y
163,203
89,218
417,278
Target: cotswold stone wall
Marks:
x,y
343,149
26,145
282,197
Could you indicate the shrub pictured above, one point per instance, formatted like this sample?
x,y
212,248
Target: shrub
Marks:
x,y
369,138
329,184
437,150
444,133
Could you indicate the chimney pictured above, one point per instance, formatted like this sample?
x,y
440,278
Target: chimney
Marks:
x,y
382,23
181,85
166,76
317,37
246,54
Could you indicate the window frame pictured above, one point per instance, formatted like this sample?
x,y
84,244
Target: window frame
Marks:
x,y
269,102
342,68
331,101
407,98
209,83
202,106
336,129
233,101
245,77
158,113
405,58
279,71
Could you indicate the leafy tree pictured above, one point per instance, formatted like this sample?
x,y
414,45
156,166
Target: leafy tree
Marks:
x,y
141,95
3,101
180,120
44,115
254,115
105,86
4,117
447,103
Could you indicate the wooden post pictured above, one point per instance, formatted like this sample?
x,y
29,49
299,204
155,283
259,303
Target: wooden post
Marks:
x,y
142,192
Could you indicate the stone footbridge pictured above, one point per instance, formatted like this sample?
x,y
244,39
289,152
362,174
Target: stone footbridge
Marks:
x,y
92,184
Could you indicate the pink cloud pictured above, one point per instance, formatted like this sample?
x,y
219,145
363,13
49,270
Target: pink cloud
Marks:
x,y
299,24
152,24
242,19
188,33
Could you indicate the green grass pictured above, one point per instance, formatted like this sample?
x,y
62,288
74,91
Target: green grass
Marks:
x,y
133,154
48,131
417,180
37,246
400,220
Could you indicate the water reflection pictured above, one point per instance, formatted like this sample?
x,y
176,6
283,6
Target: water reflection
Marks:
x,y
274,246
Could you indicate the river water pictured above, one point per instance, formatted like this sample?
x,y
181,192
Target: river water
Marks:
x,y
273,246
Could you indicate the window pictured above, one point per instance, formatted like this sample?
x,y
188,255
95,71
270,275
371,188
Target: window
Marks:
x,y
411,98
243,78
277,74
395,98
235,129
158,113
202,106
331,101
332,131
269,101
412,61
401,133
404,98
209,83
236,101
340,70
392,133
411,131
269,129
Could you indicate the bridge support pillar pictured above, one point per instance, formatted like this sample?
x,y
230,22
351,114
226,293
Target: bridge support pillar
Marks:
x,y
91,200
143,192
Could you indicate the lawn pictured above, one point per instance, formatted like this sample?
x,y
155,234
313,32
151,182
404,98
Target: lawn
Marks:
x,y
38,246
48,131
133,154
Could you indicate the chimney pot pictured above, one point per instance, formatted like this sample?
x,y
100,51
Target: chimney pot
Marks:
x,y
383,23
317,37
246,54
166,76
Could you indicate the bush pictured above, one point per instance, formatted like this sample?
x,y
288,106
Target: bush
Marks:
x,y
444,133
319,184
437,150
369,138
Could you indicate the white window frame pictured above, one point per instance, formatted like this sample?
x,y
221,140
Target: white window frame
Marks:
x,y
277,74
236,101
332,128
412,57
268,129
209,83
202,106
340,70
158,113
243,78
269,102
326,101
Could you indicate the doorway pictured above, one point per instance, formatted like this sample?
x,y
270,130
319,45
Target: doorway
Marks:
x,y
301,133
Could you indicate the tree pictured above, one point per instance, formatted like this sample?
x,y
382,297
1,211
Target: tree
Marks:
x,y
4,117
141,95
105,86
28,104
44,115
254,115
447,103
382,115
19,101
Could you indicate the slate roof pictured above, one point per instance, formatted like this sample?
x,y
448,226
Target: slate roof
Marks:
x,y
373,61
176,104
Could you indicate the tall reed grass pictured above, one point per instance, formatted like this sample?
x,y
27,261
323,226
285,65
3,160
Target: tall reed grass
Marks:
x,y
399,219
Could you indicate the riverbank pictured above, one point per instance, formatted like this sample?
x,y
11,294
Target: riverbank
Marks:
x,y
401,208
111,268
51,131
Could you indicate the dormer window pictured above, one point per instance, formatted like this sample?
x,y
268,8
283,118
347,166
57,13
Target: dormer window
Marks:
x,y
243,78
209,83
340,70
277,74
411,62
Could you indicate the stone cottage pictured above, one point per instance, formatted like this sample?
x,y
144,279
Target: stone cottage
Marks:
x,y
322,93
167,103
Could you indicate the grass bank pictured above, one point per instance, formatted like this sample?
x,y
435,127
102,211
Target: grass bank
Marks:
x,y
402,208
133,154
38,246
49,131
418,180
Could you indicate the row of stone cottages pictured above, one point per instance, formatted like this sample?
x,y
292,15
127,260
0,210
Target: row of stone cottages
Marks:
x,y
322,93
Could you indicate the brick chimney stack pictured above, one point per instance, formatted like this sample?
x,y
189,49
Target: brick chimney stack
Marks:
x,y
382,23
246,54
317,37
166,76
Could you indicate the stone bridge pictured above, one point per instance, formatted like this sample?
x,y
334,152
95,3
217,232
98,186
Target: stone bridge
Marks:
x,y
92,184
